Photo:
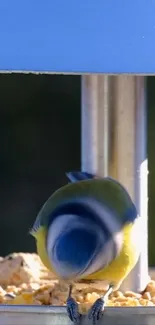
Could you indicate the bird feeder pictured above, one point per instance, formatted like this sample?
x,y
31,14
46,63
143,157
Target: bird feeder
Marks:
x,y
111,45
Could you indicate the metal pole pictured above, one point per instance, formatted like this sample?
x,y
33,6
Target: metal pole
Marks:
x,y
114,143
95,124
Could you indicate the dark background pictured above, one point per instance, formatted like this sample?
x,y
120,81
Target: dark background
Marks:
x,y
39,142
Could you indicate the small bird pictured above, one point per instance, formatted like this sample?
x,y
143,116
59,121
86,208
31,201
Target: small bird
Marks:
x,y
89,229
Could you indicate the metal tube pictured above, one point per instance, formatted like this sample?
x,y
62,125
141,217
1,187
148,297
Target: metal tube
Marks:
x,y
95,124
114,143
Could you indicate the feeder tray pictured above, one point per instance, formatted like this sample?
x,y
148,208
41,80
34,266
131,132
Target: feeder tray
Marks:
x,y
31,315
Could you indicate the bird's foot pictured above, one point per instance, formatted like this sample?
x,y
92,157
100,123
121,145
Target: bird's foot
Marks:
x,y
73,311
96,311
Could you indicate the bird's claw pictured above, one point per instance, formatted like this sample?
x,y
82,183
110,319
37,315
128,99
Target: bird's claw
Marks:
x,y
96,311
73,311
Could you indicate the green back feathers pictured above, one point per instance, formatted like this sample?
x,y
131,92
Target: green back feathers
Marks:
x,y
106,190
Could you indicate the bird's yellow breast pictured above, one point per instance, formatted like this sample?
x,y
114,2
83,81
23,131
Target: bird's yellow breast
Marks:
x,y
40,236
118,269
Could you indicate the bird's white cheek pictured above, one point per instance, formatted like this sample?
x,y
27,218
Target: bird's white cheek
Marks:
x,y
61,224
106,255
55,229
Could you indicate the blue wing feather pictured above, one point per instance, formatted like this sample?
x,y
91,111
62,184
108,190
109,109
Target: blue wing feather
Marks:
x,y
77,176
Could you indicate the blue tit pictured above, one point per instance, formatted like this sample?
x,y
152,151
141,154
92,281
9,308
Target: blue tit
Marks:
x,y
88,229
